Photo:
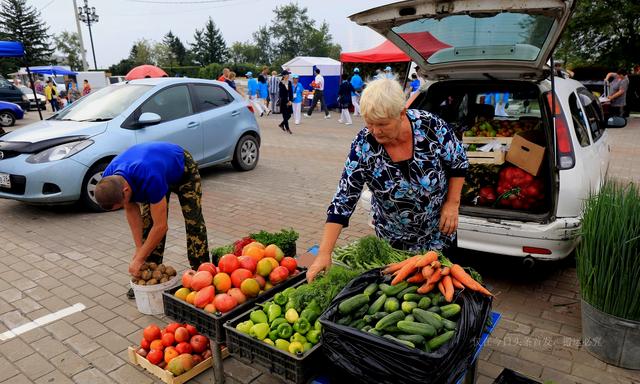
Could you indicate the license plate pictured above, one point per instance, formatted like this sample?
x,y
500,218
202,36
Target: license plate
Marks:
x,y
5,181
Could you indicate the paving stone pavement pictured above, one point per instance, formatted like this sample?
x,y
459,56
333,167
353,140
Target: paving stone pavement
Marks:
x,y
55,257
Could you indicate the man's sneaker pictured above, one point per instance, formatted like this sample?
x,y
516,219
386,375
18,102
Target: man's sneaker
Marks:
x,y
348,123
327,116
268,112
130,294
306,115
340,121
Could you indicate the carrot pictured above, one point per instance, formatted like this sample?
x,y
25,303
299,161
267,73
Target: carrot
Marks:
x,y
427,271
456,283
436,264
425,288
445,271
433,279
405,271
397,266
427,259
465,279
441,288
448,288
416,278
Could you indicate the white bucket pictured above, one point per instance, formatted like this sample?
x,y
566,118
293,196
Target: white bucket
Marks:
x,y
149,297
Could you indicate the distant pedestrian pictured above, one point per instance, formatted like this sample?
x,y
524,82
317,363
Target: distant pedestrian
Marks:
x,y
415,84
297,90
225,74
318,95
231,80
619,83
263,94
274,89
51,94
285,97
252,90
39,87
344,100
388,73
356,83
74,93
264,74
86,88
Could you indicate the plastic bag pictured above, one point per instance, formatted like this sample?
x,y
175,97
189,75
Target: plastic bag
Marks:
x,y
372,359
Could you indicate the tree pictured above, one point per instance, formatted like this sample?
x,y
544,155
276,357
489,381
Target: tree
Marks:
x,y
68,44
176,48
20,22
209,45
263,41
604,33
142,52
244,53
163,56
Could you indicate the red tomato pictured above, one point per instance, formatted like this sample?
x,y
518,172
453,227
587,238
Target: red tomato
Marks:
x,y
199,343
155,356
152,332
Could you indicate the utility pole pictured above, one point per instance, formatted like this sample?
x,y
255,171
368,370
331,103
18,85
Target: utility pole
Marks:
x,y
88,15
85,65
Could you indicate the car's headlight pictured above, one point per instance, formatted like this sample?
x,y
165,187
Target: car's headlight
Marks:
x,y
25,98
59,152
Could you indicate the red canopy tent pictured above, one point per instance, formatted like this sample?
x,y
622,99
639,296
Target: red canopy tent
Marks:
x,y
387,52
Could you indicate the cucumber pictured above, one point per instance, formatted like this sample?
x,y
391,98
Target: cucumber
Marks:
x,y
392,329
415,339
345,320
449,325
353,303
427,317
378,315
414,328
424,303
439,341
409,318
368,319
361,312
391,305
413,297
392,290
377,305
366,328
406,343
371,289
389,320
410,289
437,299
450,310
408,306
374,331
434,309
360,324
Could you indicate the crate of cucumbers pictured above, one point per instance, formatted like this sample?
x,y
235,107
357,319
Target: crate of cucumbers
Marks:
x,y
406,327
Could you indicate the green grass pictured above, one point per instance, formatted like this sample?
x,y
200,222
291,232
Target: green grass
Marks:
x,y
608,258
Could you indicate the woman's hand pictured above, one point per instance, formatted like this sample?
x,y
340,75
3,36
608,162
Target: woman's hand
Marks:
x,y
321,263
449,217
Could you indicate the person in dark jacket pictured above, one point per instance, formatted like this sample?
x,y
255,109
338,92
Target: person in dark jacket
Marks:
x,y
344,99
285,97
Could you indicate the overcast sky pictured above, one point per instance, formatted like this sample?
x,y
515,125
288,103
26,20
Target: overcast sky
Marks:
x,y
124,21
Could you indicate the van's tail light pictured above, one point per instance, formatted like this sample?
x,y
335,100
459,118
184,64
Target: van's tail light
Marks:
x,y
250,107
566,158
536,250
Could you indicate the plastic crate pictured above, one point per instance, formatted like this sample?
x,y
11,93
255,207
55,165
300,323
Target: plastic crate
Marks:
x,y
290,368
210,324
510,377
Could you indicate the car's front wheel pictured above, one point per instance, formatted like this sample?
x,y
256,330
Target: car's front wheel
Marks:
x,y
91,179
7,119
247,153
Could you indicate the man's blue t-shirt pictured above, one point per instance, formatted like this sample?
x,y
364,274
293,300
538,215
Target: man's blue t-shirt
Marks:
x,y
415,85
297,93
149,168
263,90
356,82
252,85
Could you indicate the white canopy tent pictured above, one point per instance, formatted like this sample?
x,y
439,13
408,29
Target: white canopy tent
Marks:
x,y
330,69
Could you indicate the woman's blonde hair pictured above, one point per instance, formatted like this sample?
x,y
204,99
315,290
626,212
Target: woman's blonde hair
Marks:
x,y
382,99
232,75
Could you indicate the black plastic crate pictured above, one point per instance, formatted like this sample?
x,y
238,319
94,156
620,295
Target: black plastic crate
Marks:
x,y
510,377
284,365
210,324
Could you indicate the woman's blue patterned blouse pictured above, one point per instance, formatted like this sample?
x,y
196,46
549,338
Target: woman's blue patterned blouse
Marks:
x,y
407,196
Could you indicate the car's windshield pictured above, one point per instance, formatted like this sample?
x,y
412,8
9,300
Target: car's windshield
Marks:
x,y
104,104
505,36
26,91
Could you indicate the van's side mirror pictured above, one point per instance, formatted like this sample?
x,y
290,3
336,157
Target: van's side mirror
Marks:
x,y
149,118
616,122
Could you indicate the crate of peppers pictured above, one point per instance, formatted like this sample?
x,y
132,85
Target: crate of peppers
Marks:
x,y
414,321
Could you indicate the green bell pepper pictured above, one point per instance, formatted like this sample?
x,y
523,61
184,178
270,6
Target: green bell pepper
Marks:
x,y
273,335
278,321
296,347
313,336
280,298
317,326
302,326
298,337
245,326
265,306
310,314
291,315
259,331
307,346
287,292
258,316
290,304
274,312
285,331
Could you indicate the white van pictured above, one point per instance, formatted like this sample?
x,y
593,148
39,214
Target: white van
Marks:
x,y
502,47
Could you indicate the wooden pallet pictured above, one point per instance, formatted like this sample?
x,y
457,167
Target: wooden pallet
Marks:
x,y
479,157
167,376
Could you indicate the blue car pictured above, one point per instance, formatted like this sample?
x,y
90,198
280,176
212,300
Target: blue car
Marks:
x,y
61,159
9,113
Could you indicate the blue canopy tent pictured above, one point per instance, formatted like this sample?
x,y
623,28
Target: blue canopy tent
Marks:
x,y
52,70
16,49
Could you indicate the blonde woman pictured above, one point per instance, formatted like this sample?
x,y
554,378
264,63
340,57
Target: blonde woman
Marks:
x,y
414,166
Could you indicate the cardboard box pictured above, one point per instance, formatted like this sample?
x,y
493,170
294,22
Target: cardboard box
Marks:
x,y
527,151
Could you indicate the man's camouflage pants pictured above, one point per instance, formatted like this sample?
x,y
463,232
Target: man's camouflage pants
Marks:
x,y
189,191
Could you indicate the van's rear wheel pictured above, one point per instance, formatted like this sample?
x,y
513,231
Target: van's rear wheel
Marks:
x,y
7,119
246,155
91,179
